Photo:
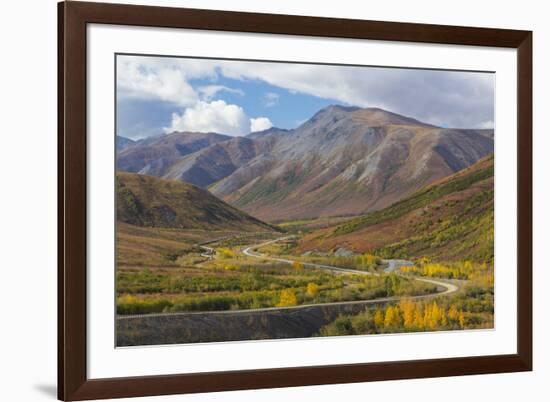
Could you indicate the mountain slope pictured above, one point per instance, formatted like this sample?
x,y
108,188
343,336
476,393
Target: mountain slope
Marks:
x,y
348,161
123,142
344,161
448,220
221,159
270,132
149,201
154,156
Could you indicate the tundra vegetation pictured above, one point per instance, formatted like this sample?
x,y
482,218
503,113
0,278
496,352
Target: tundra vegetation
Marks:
x,y
180,248
472,307
234,281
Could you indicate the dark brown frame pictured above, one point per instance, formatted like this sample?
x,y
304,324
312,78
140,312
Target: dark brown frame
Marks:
x,y
73,17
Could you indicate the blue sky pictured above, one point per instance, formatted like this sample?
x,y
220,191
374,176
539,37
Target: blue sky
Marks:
x,y
258,98
160,95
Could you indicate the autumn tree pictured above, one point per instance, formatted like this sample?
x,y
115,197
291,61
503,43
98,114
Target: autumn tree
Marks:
x,y
461,319
453,313
226,253
418,317
407,308
424,261
287,298
312,289
444,321
392,284
432,316
428,317
392,318
297,265
369,260
379,319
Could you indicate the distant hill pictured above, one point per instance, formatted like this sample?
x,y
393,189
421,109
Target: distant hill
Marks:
x,y
154,156
149,201
213,163
123,142
220,160
448,220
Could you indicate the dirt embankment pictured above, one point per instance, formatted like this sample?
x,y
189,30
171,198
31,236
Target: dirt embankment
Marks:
x,y
238,326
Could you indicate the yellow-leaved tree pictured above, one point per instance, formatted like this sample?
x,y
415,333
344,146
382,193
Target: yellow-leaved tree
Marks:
x,y
407,309
287,298
379,319
418,317
297,265
461,319
312,289
453,313
392,318
226,253
433,318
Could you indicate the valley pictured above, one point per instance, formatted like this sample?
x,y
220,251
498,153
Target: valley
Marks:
x,y
359,221
264,291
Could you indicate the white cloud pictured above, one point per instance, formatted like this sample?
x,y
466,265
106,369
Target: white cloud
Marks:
x,y
461,99
271,99
142,81
486,124
458,99
210,91
260,124
216,116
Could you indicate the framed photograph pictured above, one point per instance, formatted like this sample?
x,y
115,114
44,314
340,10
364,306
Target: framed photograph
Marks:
x,y
254,200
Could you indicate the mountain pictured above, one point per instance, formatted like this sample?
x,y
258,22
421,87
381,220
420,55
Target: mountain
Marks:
x,y
123,142
344,161
149,201
451,219
220,160
348,161
270,132
154,156
213,163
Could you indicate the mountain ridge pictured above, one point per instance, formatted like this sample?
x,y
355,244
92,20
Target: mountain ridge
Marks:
x,y
154,156
342,161
336,164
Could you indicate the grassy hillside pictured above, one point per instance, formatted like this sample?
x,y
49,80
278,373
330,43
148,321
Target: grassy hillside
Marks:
x,y
449,220
153,202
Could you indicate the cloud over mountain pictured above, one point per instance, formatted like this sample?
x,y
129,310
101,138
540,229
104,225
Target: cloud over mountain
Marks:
x,y
260,124
454,99
216,116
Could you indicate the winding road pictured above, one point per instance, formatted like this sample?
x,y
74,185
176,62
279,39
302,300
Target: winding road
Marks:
x,y
393,265
250,251
209,252
273,322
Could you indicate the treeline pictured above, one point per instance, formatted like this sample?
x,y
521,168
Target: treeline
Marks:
x,y
409,316
483,274
365,262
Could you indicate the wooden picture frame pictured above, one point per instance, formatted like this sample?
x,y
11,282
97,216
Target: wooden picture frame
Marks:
x,y
73,382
